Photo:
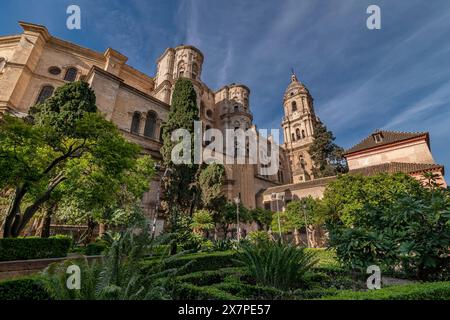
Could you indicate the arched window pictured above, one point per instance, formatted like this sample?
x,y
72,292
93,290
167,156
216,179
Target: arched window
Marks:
x,y
136,123
46,92
294,106
297,132
293,137
181,69
150,125
71,74
194,71
303,134
236,108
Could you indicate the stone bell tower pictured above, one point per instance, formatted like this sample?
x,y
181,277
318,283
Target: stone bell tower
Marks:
x,y
298,128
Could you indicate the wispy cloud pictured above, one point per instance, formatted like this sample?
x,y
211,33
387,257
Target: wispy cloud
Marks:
x,y
397,77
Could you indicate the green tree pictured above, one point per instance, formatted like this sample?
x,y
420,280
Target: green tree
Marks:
x,y
228,216
202,222
180,186
262,217
99,197
211,182
391,221
63,141
328,158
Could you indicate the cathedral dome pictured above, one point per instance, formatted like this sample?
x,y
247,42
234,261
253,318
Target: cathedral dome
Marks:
x,y
295,87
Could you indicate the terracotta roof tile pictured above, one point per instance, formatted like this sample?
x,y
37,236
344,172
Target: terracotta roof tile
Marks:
x,y
388,137
394,167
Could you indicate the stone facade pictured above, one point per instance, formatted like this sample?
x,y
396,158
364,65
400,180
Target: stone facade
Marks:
x,y
34,63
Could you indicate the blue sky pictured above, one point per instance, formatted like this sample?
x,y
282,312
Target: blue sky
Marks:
x,y
395,78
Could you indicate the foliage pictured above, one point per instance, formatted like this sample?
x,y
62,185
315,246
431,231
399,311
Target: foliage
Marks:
x,y
12,249
209,277
348,194
117,276
328,158
262,217
256,237
276,264
222,245
180,187
199,261
25,289
211,181
96,248
228,216
401,227
64,149
202,221
419,291
187,291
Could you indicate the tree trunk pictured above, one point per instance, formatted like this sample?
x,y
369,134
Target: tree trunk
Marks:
x,y
45,230
296,237
13,212
86,237
102,229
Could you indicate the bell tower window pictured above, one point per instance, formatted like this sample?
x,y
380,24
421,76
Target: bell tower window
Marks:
x,y
294,106
297,132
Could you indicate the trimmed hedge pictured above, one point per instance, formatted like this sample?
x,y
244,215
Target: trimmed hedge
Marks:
x,y
95,248
12,249
187,291
199,261
419,291
29,288
253,292
209,277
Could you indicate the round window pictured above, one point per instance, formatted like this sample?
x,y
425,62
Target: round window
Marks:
x,y
209,113
54,71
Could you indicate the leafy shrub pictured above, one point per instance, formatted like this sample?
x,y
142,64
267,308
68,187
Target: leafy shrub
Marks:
x,y
314,293
198,261
28,288
209,277
390,221
117,276
419,291
187,291
258,236
34,248
275,264
222,245
253,292
95,248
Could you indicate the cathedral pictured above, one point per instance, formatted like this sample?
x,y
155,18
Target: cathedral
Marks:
x,y
34,63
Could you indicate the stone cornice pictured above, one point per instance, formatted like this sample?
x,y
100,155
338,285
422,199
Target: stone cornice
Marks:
x,y
123,85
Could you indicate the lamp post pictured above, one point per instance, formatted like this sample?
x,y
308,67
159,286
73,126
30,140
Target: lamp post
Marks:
x,y
237,200
158,196
306,225
277,197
